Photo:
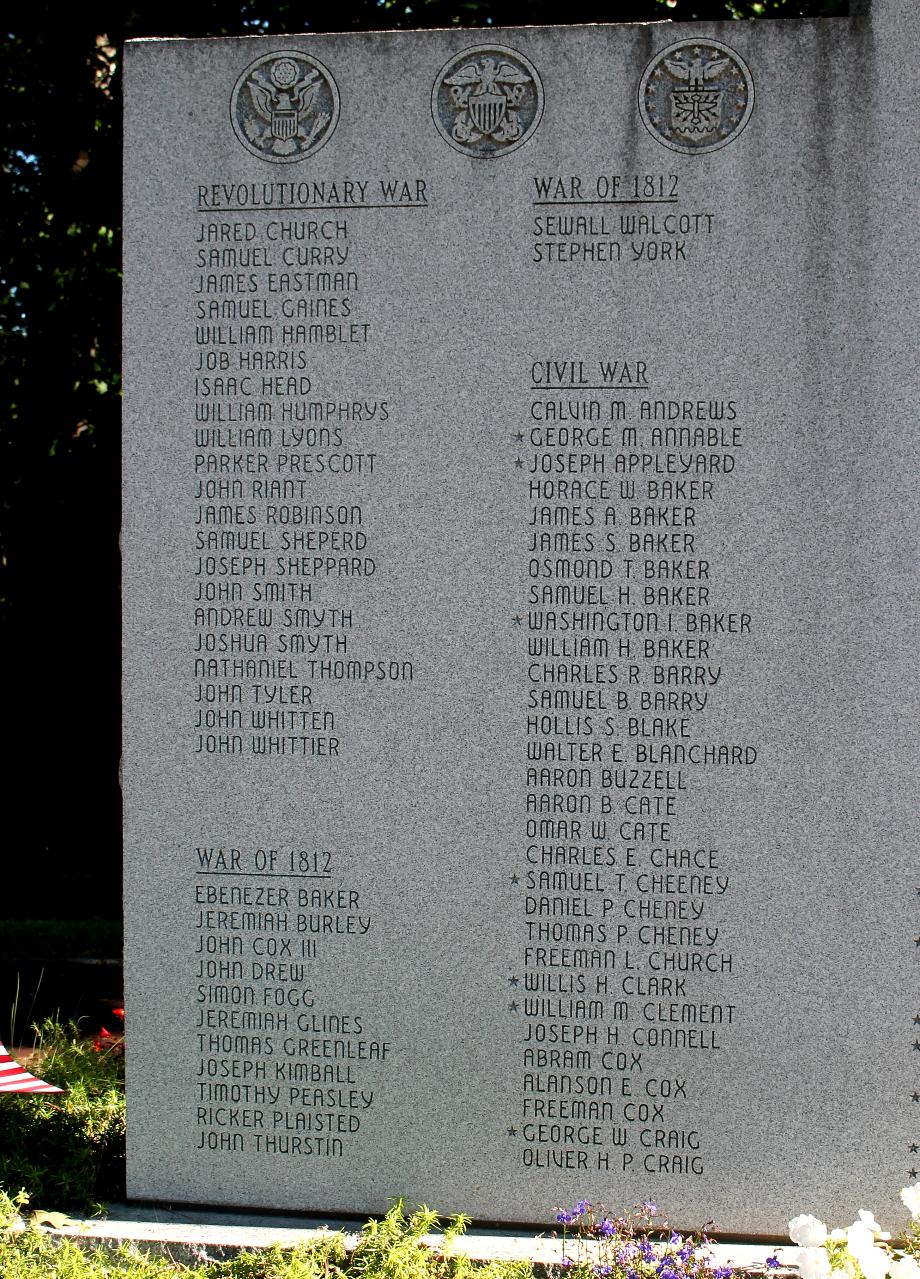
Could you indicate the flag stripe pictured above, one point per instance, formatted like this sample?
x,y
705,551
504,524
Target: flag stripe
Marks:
x,y
13,1078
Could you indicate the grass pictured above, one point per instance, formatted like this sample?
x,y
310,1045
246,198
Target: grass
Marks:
x,y
391,1248
67,1150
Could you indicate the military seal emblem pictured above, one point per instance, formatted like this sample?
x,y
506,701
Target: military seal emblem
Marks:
x,y
487,100
284,106
696,95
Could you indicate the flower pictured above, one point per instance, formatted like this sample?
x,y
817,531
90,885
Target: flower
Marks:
x,y
813,1262
904,1268
607,1227
868,1220
910,1198
873,1262
773,1263
807,1231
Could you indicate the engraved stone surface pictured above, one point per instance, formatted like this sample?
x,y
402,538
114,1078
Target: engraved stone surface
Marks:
x,y
520,544
696,95
487,101
284,107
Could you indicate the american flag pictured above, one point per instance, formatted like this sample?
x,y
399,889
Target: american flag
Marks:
x,y
14,1079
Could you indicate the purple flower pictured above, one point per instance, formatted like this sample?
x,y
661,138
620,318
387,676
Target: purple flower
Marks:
x,y
772,1263
602,1270
564,1218
647,1251
722,1272
649,1207
582,1207
608,1227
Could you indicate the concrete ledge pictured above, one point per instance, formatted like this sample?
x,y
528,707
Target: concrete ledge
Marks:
x,y
216,1236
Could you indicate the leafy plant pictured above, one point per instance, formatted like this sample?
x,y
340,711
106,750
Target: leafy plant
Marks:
x,y
594,1243
393,1246
67,1150
10,1208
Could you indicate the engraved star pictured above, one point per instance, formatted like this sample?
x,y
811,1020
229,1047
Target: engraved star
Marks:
x,y
512,1132
514,981
519,438
518,620
917,941
913,1173
917,1020
513,1006
514,879
917,1045
914,1148
915,1096
519,462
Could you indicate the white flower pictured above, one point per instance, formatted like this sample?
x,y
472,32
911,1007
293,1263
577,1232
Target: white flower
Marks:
x,y
838,1235
867,1219
813,1263
873,1261
904,1268
910,1198
807,1231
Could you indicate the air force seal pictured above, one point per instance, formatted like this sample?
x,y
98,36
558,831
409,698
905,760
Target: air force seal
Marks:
x,y
696,95
284,106
487,100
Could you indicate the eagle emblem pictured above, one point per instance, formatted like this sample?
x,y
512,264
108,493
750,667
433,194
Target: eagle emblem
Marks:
x,y
696,95
284,106
487,100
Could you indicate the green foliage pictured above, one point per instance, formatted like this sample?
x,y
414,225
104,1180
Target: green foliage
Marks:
x,y
320,1260
387,1249
10,1208
67,1150
34,1255
598,1245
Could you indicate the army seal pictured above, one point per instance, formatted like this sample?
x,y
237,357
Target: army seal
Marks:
x,y
487,100
696,95
284,106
